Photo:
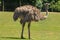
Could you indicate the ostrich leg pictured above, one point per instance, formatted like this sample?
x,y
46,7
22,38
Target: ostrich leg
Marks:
x,y
22,30
29,29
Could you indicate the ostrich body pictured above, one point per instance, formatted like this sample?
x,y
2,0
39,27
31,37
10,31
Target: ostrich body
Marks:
x,y
27,13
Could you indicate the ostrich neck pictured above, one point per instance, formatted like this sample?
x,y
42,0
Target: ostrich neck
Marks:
x,y
47,10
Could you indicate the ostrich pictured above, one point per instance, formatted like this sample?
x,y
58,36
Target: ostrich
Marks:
x,y
27,13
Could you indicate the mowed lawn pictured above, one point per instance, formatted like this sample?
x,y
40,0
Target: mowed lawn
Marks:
x,y
48,29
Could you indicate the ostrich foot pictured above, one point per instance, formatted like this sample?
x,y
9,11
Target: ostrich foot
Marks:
x,y
23,38
29,38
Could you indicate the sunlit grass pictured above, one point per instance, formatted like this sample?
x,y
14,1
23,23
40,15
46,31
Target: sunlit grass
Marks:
x,y
48,29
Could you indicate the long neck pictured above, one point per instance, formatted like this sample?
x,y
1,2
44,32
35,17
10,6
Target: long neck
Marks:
x,y
46,12
46,9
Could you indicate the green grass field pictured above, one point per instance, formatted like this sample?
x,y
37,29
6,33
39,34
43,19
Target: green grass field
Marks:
x,y
48,29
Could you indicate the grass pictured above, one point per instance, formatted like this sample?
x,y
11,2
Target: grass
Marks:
x,y
48,29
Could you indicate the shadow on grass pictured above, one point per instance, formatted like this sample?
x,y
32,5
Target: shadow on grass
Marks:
x,y
15,38
11,38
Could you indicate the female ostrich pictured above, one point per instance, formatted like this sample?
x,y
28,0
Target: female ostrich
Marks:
x,y
27,13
